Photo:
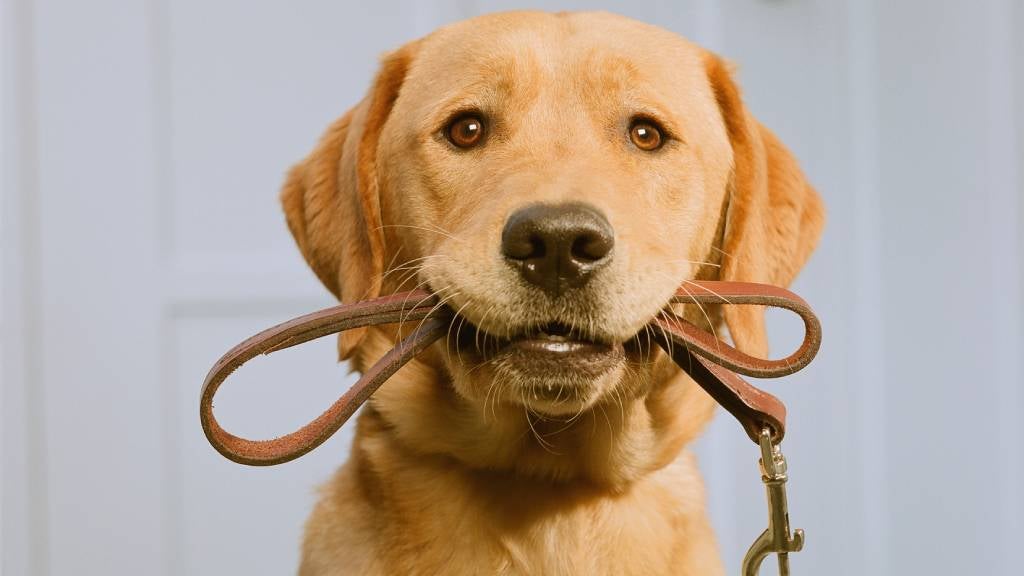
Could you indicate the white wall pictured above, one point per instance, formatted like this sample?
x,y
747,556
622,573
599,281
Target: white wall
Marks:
x,y
20,512
143,145
4,98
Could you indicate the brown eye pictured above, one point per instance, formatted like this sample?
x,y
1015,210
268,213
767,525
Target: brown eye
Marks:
x,y
645,135
466,131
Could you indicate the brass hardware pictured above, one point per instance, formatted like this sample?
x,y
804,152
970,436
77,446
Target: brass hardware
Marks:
x,y
776,538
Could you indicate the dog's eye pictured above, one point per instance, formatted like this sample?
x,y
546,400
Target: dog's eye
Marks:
x,y
466,131
646,135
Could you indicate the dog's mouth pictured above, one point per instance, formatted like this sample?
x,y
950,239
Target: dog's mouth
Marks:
x,y
553,350
558,339
552,365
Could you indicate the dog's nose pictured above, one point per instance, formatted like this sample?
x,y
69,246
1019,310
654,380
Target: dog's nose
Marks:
x,y
557,246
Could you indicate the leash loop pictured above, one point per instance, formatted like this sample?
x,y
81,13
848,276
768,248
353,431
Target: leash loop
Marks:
x,y
416,306
713,364
747,294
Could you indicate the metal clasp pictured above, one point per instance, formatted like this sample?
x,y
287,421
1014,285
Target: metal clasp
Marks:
x,y
777,537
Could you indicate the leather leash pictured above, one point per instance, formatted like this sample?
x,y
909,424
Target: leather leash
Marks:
x,y
712,363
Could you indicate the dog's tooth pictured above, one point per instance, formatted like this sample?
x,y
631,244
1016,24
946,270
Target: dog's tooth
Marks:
x,y
557,346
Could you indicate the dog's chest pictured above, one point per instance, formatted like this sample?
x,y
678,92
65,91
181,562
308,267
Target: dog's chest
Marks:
x,y
510,530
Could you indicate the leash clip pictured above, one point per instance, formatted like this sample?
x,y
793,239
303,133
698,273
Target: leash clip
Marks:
x,y
776,538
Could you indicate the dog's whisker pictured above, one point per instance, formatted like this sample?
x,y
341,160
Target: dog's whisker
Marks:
x,y
479,331
540,440
458,316
441,302
412,274
415,266
711,324
617,392
405,317
695,262
650,339
611,432
674,321
727,254
437,230
392,261
705,288
677,322
498,392
493,389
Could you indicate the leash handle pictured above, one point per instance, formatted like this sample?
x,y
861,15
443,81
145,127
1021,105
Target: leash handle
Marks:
x,y
709,361
405,307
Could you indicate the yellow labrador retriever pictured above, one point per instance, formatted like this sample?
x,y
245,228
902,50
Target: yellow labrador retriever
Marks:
x,y
553,178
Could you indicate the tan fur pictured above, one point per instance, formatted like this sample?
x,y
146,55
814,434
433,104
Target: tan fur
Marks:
x,y
455,468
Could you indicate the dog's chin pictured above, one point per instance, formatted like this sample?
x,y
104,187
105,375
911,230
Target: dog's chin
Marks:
x,y
550,370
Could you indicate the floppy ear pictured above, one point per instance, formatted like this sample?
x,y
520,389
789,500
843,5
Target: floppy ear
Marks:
x,y
331,198
774,217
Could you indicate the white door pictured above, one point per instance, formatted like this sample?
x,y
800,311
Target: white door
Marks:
x,y
143,146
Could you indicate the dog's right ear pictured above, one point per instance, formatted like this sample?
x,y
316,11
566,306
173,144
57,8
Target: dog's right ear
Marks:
x,y
331,198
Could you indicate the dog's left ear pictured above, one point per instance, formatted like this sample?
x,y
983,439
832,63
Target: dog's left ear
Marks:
x,y
774,217
332,202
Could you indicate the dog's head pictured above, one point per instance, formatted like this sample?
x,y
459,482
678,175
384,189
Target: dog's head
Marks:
x,y
554,179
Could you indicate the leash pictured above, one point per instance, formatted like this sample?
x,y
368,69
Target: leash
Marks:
x,y
712,363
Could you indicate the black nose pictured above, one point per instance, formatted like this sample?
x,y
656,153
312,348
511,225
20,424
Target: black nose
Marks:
x,y
557,247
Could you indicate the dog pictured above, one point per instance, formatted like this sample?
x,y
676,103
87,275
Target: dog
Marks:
x,y
553,179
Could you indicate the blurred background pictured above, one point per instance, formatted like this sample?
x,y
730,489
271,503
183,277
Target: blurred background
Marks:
x,y
143,144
